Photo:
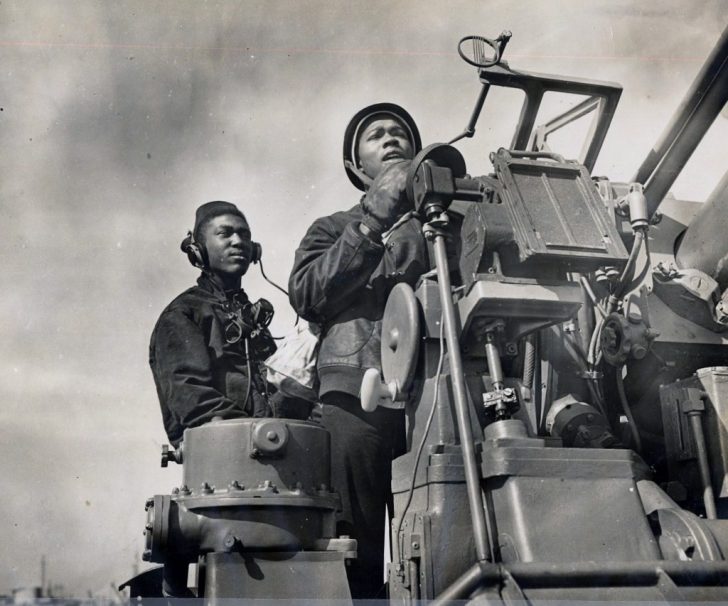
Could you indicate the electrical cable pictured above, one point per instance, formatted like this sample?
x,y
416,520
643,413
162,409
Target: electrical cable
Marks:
x,y
639,237
644,270
577,353
283,290
421,446
260,263
592,353
588,289
628,411
250,373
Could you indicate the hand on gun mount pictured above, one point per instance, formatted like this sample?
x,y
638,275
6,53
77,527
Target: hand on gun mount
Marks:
x,y
386,200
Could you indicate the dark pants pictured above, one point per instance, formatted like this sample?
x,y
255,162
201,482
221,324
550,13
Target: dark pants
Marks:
x,y
363,445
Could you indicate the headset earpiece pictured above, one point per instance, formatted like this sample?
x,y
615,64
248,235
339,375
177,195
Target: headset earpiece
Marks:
x,y
256,253
193,250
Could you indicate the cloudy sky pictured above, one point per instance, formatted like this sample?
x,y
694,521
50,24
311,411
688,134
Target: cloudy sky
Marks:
x,y
118,118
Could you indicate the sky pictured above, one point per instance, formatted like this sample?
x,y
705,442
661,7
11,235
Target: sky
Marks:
x,y
117,119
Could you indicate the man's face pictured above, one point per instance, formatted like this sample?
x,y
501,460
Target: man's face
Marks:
x,y
227,241
382,141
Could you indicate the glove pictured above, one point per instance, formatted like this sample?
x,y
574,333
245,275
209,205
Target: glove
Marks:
x,y
386,200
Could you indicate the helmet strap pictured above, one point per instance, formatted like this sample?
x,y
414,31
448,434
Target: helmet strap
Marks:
x,y
363,177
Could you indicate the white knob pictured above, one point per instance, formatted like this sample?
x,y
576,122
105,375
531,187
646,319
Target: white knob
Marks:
x,y
374,392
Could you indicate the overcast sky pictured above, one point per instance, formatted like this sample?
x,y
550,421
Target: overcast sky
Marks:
x,y
117,119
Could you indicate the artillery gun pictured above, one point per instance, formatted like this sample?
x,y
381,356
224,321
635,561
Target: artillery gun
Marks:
x,y
563,374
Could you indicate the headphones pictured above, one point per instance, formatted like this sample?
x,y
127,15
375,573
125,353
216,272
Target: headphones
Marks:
x,y
197,254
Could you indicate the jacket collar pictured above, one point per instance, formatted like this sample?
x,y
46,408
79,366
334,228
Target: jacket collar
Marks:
x,y
209,284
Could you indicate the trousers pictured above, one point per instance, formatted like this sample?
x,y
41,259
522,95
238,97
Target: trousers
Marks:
x,y
363,445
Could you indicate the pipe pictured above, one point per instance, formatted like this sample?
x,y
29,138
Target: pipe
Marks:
x,y
696,573
696,424
701,105
569,574
466,584
472,472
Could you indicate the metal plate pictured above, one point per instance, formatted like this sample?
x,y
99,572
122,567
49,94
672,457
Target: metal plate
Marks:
x,y
400,336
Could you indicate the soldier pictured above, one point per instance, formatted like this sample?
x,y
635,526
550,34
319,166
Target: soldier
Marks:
x,y
208,344
344,269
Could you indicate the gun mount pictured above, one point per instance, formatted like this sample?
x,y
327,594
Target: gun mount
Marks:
x,y
589,435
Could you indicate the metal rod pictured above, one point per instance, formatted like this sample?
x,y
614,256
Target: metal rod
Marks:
x,y
472,473
696,424
470,128
703,102
697,573
683,111
414,578
494,363
463,586
569,574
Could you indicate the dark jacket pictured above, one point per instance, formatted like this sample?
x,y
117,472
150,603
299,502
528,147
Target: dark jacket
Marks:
x,y
198,373
341,280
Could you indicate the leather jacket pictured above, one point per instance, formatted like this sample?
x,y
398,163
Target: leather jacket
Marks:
x,y
198,372
341,280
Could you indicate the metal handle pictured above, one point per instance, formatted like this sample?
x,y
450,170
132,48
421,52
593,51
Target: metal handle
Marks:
x,y
517,153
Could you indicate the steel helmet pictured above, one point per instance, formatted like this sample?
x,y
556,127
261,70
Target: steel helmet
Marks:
x,y
351,136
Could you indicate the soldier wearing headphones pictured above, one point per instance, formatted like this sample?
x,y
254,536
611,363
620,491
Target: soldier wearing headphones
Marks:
x,y
344,270
208,345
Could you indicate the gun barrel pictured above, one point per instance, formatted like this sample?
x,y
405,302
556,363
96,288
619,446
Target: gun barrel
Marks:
x,y
704,245
702,103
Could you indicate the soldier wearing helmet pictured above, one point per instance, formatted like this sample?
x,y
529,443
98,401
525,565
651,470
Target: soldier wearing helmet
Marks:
x,y
344,270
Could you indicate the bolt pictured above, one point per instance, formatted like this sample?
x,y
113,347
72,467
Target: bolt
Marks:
x,y
639,351
184,489
230,541
511,349
206,488
235,485
147,555
272,436
149,503
148,526
175,490
415,545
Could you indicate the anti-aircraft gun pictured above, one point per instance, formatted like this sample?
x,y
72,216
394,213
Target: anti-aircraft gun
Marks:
x,y
564,371
563,374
